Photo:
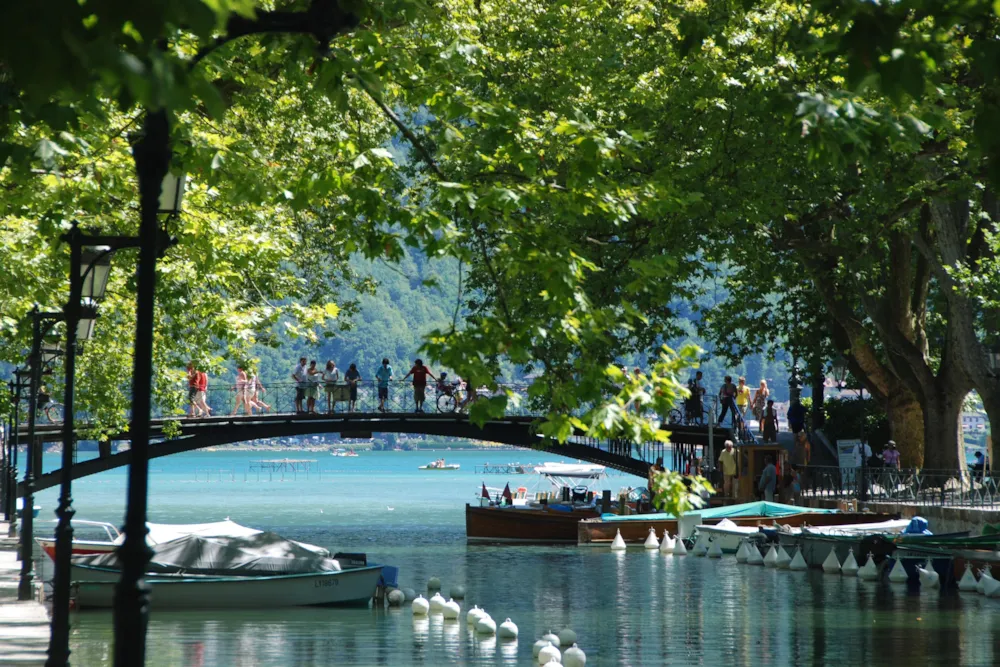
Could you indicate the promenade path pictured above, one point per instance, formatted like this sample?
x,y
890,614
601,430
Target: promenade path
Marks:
x,y
24,626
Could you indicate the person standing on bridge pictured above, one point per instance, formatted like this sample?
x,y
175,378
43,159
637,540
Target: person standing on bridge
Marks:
x,y
192,373
384,377
331,376
242,395
301,377
353,376
727,397
312,389
419,373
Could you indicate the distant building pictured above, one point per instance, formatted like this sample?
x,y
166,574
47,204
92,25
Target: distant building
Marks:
x,y
974,422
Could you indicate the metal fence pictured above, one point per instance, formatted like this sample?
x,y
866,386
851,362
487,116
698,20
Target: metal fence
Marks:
x,y
280,398
952,488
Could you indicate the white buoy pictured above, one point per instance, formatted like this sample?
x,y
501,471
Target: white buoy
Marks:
x,y
831,565
868,571
474,615
651,541
700,547
410,594
798,562
567,637
991,588
458,592
451,609
549,654
928,577
741,552
618,544
420,606
574,657
667,544
486,626
850,566
507,630
783,560
395,598
680,549
771,559
983,575
754,557
437,603
433,584
538,646
551,638
968,581
714,549
897,574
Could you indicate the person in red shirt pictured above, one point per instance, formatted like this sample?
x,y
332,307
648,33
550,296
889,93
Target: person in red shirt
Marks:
x,y
203,393
192,374
419,373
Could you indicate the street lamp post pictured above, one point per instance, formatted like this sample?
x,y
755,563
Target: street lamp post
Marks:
x,y
88,276
17,387
152,155
41,325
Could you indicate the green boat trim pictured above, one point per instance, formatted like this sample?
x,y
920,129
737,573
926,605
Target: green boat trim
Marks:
x,y
759,508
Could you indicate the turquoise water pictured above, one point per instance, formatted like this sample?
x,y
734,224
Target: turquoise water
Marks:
x,y
633,608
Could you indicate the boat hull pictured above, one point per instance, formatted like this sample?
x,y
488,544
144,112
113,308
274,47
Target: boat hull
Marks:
x,y
508,524
95,588
80,547
598,532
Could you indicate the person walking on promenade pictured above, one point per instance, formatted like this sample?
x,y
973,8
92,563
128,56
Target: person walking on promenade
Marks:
x,y
770,422
301,376
192,375
759,401
313,376
353,376
384,377
331,376
768,479
796,416
241,391
257,390
795,484
742,396
727,459
727,396
696,410
890,457
202,395
419,373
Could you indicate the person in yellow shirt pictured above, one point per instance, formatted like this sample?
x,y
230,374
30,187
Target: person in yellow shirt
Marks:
x,y
743,396
727,459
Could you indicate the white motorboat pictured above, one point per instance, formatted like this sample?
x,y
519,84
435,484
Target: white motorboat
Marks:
x,y
263,570
440,465
727,534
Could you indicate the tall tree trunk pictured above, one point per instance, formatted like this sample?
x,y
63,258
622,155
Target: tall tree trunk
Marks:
x,y
906,426
942,427
818,395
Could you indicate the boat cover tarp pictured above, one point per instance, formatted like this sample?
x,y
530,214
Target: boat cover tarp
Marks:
x,y
261,554
759,508
167,532
576,470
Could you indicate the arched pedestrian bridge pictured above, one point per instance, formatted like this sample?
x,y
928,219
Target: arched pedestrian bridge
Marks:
x,y
519,430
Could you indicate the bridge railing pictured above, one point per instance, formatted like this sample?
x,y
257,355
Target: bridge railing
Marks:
x,y
280,398
951,488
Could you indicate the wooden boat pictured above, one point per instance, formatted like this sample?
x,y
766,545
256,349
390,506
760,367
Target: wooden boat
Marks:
x,y
874,537
96,588
634,529
520,524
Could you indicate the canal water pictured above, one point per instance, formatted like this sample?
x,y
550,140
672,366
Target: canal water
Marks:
x,y
633,608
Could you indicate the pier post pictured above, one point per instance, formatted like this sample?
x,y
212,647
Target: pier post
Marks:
x,y
26,584
606,501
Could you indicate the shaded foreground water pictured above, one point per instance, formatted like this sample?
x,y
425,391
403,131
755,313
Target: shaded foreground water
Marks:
x,y
633,608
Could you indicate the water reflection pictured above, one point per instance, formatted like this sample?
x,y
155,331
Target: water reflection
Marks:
x,y
632,608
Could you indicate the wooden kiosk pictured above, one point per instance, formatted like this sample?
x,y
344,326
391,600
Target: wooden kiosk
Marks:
x,y
750,461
